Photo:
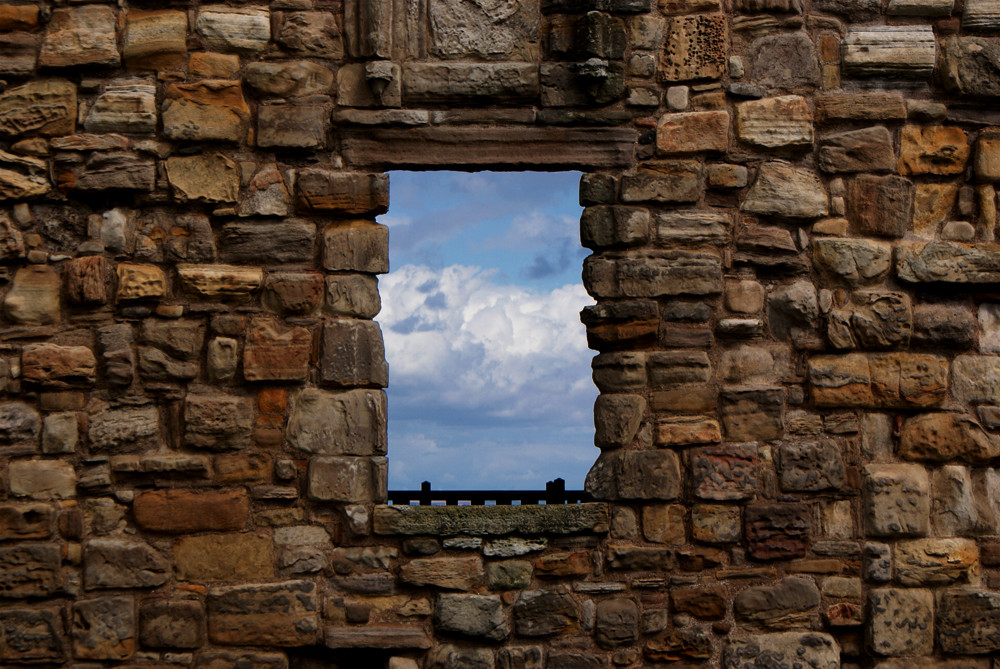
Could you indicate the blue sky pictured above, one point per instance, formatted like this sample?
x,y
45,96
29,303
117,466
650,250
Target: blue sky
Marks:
x,y
489,371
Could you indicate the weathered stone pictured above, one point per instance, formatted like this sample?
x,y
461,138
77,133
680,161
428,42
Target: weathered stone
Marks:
x,y
26,521
806,649
357,246
208,177
61,367
220,281
448,656
878,380
724,473
380,637
125,107
19,428
113,563
935,149
968,622
86,279
812,466
897,500
692,226
273,352
617,418
477,616
775,123
22,177
667,273
217,422
752,415
541,613
901,621
679,645
890,51
42,479
693,132
353,354
947,262
715,523
33,298
103,628
182,339
140,282
184,511
346,423
865,150
31,636
224,557
860,107
686,430
939,437
166,623
466,82
704,603
616,623
872,320
785,60
286,126
930,562
116,341
45,107
80,36
786,191
511,32
274,614
508,575
18,53
445,573
30,570
235,659
777,531
245,30
673,181
106,171
936,8
854,262
635,475
266,194
489,520
125,430
155,39
324,190
968,65
347,479
208,110
790,602
175,238
696,48
289,79
974,379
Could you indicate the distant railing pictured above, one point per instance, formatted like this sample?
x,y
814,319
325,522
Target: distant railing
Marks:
x,y
555,493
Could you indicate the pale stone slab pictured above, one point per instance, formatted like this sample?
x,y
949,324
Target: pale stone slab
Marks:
x,y
128,108
981,15
785,121
935,8
896,51
243,30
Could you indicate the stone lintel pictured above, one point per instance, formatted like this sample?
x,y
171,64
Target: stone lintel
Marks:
x,y
527,519
474,147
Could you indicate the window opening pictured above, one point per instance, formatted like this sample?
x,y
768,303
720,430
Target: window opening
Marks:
x,y
489,370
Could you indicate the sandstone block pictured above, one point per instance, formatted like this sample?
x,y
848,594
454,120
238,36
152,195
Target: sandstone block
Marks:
x,y
87,280
305,33
965,64
266,194
693,227
901,622
931,562
716,523
103,628
811,649
353,354
125,430
61,367
686,430
784,60
653,475
860,107
186,511
693,132
786,191
289,79
208,177
939,437
32,636
892,52
80,36
777,531
933,149
217,422
774,123
812,466
244,30
667,273
220,281
273,614
508,575
26,521
854,262
113,563
476,616
510,33
669,181
30,570
345,423
696,48
172,623
543,613
897,500
140,282
357,246
872,320
864,150
209,110
284,126
33,298
18,17
347,479
224,557
381,637
42,479
19,428
233,659
487,521
880,206
616,623
752,415
44,107
968,623
128,108
273,352
724,473
22,177
155,39
321,189
606,226
463,82
789,602
878,380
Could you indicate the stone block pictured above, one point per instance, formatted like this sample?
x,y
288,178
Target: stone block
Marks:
x,y
693,132
777,531
125,430
607,226
475,616
207,177
345,423
891,380
220,281
775,123
968,622
716,523
236,659
244,30
935,149
274,614
512,33
18,53
668,273
20,425
811,649
171,623
80,36
186,511
812,466
127,108
617,418
852,262
140,282
32,636
934,562
897,500
303,33
724,473
966,60
865,150
871,320
155,39
939,437
452,82
19,522
113,563
785,60
696,48
616,623
790,602
266,194
380,637
668,181
33,298
544,613
353,354
30,570
701,602
901,622
508,575
880,206
22,177
43,107
528,520
653,475
217,422
347,479
210,110
752,415
974,380
103,628
786,191
292,126
289,79
692,227
356,246
321,189
892,52
42,479
59,367
273,352
224,557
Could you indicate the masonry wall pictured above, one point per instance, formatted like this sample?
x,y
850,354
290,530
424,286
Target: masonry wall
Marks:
x,y
792,214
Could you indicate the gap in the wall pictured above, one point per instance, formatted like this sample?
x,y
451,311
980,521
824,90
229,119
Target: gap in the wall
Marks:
x,y
489,370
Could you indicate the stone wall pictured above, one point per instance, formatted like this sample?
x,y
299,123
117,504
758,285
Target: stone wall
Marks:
x,y
792,212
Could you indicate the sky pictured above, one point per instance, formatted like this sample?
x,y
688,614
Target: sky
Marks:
x,y
489,370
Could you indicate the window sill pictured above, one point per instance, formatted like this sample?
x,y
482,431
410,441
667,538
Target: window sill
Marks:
x,y
589,518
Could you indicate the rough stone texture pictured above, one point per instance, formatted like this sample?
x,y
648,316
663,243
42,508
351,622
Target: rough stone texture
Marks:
x,y
775,122
967,622
897,498
276,614
346,423
788,603
695,48
807,649
224,557
104,628
786,191
880,206
110,563
80,36
45,107
476,616
902,621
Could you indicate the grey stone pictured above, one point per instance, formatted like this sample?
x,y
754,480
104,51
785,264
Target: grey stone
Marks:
x,y
477,616
113,563
42,479
31,636
103,628
124,107
307,33
237,659
508,575
513,547
30,570
616,623
20,425
462,28
784,61
946,262
447,656
542,613
286,126
889,51
976,379
253,242
944,325
792,307
617,418
60,432
289,79
786,191
969,65
608,226
873,320
897,500
901,621
347,479
809,650
353,354
812,466
864,150
345,423
352,295
635,475
709,227
876,562
125,430
452,82
790,602
852,262
217,422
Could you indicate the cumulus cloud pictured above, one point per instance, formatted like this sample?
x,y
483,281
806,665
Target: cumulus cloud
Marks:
x,y
485,377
